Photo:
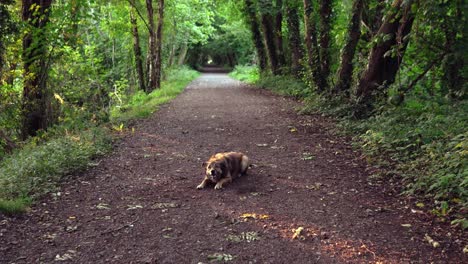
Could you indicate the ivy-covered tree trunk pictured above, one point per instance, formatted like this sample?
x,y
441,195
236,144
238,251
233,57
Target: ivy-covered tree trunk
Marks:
x,y
324,43
454,83
266,8
137,52
256,34
386,56
158,59
313,56
279,34
151,57
345,72
35,13
295,45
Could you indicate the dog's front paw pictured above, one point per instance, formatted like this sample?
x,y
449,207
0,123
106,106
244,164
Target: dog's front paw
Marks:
x,y
201,186
218,186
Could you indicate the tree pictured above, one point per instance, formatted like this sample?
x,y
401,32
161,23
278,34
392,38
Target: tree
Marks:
x,y
158,57
324,43
35,13
294,42
137,52
313,56
266,12
386,55
345,71
151,67
256,34
279,34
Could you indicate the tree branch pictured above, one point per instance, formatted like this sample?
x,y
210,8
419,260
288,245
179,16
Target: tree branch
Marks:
x,y
132,3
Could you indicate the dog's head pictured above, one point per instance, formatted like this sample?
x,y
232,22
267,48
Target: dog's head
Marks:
x,y
214,170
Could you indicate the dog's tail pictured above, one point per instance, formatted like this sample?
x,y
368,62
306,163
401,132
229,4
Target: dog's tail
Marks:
x,y
245,164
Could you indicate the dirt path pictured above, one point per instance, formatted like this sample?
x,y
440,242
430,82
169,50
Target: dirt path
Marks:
x,y
140,205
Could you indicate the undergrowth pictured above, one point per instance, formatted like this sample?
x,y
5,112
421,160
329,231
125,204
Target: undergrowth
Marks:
x,y
36,168
141,105
424,142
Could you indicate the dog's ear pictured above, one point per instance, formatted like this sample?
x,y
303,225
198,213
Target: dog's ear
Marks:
x,y
204,164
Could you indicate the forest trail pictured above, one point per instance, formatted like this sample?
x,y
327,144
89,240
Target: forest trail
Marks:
x,y
140,205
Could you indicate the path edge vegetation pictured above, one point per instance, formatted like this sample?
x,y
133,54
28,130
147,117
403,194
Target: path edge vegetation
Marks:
x,y
36,168
417,146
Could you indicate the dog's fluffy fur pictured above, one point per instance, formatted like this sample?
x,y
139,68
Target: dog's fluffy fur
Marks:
x,y
223,168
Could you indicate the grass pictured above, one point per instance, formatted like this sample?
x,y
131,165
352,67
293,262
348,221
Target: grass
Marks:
x,y
37,168
142,105
246,73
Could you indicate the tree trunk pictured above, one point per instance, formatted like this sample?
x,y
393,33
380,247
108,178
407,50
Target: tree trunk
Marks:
x,y
152,49
256,34
158,61
279,34
137,52
295,44
269,34
34,109
325,25
183,54
454,83
345,72
313,57
385,57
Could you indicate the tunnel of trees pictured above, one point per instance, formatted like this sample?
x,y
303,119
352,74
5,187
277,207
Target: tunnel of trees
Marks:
x,y
66,63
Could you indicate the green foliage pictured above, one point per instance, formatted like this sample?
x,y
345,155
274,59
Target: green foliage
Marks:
x,y
36,168
426,143
284,85
14,206
142,105
246,73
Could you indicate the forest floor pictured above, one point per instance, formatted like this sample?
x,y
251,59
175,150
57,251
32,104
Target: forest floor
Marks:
x,y
140,204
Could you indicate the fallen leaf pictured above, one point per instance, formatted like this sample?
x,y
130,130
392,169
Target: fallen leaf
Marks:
x,y
297,233
420,205
102,206
164,205
220,257
244,236
431,241
133,207
292,129
70,254
307,156
255,216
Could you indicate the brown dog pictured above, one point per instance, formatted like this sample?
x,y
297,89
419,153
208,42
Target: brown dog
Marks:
x,y
222,168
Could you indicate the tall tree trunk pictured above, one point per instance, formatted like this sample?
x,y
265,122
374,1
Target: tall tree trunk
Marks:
x,y
183,54
324,43
269,34
313,56
256,34
454,83
385,57
295,44
279,34
152,49
34,109
345,72
137,52
158,61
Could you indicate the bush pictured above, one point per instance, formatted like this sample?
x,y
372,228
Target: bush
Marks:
x,y
246,73
35,169
142,105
